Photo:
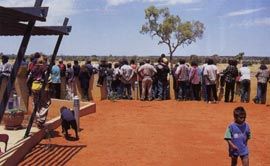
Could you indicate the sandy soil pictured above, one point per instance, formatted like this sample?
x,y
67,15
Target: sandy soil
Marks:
x,y
168,133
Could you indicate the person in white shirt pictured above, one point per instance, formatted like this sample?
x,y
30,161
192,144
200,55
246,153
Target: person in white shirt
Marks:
x,y
211,75
5,68
244,73
203,87
127,73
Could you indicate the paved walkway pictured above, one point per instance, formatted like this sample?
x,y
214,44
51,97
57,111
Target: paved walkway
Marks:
x,y
14,135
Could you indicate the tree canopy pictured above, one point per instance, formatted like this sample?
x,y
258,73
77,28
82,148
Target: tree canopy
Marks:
x,y
170,29
239,57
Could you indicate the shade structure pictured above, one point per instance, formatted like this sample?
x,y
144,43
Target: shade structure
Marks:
x,y
18,29
13,22
21,22
23,13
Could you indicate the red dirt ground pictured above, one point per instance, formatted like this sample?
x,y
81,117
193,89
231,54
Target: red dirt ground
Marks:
x,y
156,133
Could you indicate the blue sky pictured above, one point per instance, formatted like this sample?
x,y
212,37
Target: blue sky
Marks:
x,y
104,27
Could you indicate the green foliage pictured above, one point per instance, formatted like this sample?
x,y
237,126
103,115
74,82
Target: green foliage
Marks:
x,y
265,60
215,58
170,29
240,56
12,112
224,60
195,58
249,63
94,58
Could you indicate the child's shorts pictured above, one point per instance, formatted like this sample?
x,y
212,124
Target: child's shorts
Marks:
x,y
67,124
242,157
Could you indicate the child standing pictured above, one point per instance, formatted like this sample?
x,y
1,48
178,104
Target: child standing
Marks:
x,y
237,136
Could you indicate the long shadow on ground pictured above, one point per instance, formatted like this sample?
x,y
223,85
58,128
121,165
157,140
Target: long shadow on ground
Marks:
x,y
51,154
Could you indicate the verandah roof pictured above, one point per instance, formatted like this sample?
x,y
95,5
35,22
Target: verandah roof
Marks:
x,y
21,21
12,22
18,29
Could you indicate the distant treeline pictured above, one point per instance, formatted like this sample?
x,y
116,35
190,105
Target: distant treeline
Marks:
x,y
199,59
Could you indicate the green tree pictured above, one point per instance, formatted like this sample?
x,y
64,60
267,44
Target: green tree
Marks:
x,y
194,58
265,60
215,58
170,29
239,57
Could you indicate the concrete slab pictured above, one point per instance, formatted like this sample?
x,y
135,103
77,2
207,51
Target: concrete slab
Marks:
x,y
14,135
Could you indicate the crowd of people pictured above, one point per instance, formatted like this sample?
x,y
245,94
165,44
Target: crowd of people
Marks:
x,y
190,82
150,80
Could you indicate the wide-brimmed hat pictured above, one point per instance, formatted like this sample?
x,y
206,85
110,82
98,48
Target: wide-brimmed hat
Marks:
x,y
165,60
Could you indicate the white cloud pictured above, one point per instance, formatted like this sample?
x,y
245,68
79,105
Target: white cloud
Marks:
x,y
17,3
58,10
169,2
256,22
193,9
243,12
118,2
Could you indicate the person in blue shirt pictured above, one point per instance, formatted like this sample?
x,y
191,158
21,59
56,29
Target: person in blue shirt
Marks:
x,y
56,81
237,136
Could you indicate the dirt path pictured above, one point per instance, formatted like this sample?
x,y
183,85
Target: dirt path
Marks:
x,y
156,133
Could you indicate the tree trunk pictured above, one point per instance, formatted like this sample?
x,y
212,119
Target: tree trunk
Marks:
x,y
171,61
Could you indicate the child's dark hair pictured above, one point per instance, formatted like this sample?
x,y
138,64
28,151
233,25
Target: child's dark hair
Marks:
x,y
63,108
238,111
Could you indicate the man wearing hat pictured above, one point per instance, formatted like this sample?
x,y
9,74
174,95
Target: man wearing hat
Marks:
x,y
162,73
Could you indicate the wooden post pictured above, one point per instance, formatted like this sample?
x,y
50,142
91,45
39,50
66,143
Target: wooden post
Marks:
x,y
17,63
60,37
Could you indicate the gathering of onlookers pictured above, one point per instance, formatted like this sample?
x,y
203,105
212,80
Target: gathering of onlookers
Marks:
x,y
145,79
